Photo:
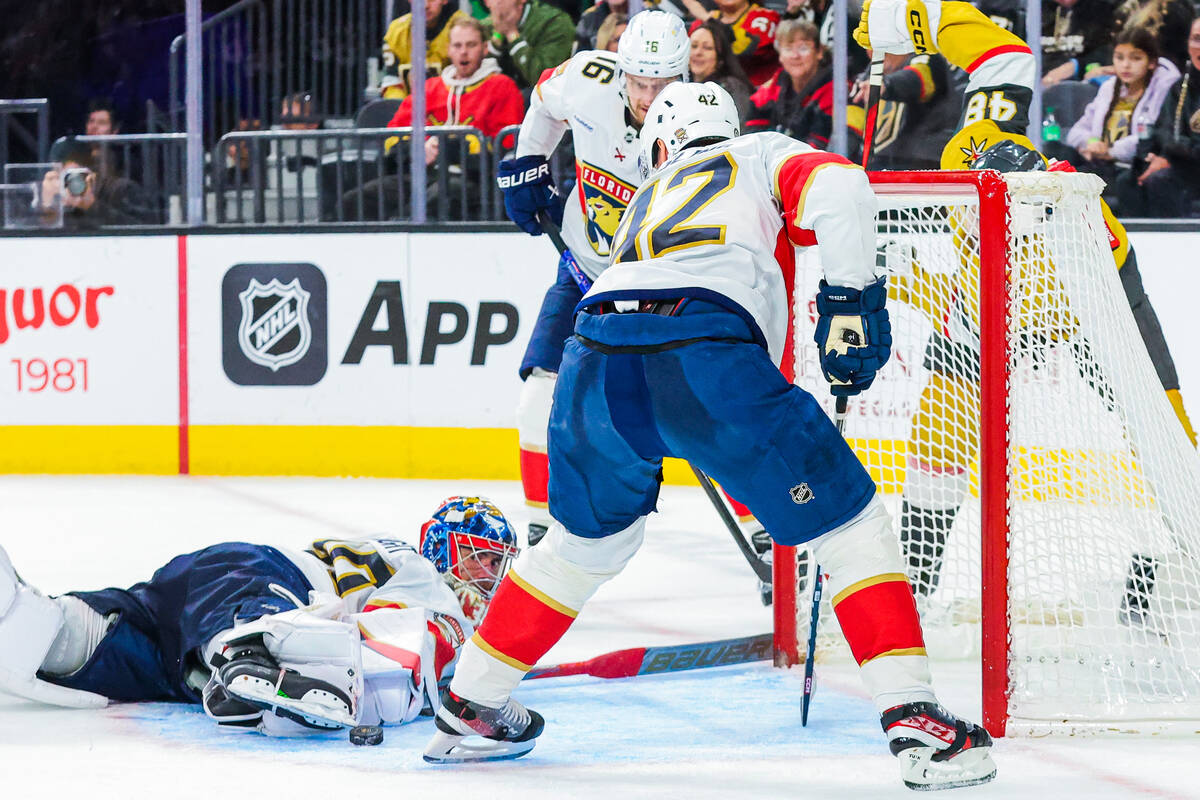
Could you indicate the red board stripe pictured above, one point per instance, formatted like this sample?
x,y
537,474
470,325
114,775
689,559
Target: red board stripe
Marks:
x,y
184,462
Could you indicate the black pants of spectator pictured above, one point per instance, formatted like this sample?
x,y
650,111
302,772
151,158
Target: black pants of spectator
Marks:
x,y
1166,193
385,199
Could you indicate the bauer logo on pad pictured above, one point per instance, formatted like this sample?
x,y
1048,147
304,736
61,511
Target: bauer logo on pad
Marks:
x,y
273,324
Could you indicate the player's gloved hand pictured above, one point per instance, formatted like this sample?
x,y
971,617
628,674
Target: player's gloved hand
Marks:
x,y
899,26
854,335
528,189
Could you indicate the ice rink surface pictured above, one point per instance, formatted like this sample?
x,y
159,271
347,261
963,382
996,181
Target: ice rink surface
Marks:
x,y
719,733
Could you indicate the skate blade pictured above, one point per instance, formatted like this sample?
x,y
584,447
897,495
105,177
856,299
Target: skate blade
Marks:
x,y
969,768
317,707
449,748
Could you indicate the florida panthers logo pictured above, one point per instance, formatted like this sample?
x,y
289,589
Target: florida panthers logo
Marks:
x,y
604,198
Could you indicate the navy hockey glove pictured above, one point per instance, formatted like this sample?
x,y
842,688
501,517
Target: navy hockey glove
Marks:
x,y
528,189
854,335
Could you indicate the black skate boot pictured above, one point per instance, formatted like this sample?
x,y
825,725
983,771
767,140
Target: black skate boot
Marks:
x,y
937,750
250,674
507,732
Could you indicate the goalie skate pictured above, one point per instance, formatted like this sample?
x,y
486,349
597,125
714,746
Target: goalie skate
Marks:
x,y
253,676
468,731
936,749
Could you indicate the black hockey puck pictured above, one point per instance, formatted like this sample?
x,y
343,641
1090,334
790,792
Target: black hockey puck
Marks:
x,y
366,734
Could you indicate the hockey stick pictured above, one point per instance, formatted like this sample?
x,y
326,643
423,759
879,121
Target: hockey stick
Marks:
x,y
761,569
671,658
814,615
581,278
874,89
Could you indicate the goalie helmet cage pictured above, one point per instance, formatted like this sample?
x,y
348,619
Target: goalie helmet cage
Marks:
x,y
1022,415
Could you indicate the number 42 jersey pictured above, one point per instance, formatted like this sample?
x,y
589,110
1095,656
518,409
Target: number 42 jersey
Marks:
x,y
586,94
723,222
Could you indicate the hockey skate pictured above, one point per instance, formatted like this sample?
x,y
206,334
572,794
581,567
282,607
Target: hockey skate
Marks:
x,y
251,675
507,732
936,749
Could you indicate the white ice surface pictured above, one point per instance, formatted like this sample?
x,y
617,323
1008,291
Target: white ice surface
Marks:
x,y
729,732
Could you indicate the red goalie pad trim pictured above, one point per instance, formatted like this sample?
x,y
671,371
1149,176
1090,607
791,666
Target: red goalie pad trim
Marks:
x,y
880,618
522,623
535,477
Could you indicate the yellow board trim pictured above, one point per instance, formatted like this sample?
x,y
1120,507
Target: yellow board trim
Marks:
x,y
496,654
866,583
90,449
541,596
904,651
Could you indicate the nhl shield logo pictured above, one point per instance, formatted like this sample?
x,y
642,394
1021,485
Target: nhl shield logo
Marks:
x,y
801,494
274,330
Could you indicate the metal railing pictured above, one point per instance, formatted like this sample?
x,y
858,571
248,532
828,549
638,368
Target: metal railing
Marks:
x,y
151,162
350,175
37,140
257,52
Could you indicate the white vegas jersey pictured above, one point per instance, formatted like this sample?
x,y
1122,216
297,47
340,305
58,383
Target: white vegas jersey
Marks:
x,y
727,218
587,95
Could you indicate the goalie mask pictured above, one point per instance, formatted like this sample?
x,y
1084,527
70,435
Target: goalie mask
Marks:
x,y
472,544
684,114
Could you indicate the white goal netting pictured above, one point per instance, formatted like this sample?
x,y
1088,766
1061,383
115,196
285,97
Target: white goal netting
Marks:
x,y
1101,486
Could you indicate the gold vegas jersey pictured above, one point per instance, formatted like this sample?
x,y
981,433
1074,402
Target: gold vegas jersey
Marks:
x,y
726,219
586,95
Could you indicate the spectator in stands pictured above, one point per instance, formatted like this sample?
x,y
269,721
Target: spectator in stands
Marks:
x,y
1169,181
470,91
1105,138
799,100
712,59
1168,20
753,30
102,121
818,12
87,197
610,32
1075,35
397,46
527,37
588,30
918,112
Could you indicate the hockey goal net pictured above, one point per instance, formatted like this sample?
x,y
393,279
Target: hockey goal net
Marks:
x,y
1045,495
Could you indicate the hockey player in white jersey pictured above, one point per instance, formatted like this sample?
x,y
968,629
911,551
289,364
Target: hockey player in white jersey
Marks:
x,y
602,99
676,353
345,633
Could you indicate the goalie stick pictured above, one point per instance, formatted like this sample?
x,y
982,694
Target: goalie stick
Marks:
x,y
762,569
671,658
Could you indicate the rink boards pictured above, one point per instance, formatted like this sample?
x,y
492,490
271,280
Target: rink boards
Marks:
x,y
367,354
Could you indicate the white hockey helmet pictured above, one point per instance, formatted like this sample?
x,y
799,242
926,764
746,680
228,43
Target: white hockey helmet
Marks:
x,y
683,113
655,45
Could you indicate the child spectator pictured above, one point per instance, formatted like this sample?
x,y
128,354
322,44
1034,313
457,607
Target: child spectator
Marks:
x,y
1168,20
1124,108
753,30
397,46
712,59
1167,185
799,100
527,37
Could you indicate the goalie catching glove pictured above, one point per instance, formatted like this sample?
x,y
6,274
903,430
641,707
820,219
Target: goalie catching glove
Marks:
x,y
528,190
854,335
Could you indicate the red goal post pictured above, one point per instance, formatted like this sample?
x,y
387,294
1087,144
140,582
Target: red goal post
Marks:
x,y
1039,320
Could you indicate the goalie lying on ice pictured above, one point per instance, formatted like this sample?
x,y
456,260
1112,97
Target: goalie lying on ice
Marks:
x,y
284,642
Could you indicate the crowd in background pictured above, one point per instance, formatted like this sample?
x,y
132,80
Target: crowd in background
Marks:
x,y
1130,69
